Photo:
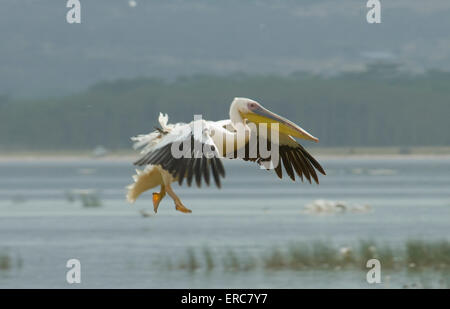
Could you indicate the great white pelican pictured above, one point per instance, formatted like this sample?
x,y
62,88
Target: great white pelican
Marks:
x,y
202,144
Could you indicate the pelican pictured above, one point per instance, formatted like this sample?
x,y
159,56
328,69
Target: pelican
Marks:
x,y
194,150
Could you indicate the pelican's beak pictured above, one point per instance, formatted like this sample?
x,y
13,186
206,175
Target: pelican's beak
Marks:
x,y
259,114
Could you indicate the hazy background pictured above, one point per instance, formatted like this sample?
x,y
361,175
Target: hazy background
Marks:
x,y
75,86
361,88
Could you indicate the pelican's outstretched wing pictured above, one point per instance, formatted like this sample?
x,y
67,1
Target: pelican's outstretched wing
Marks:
x,y
196,155
294,157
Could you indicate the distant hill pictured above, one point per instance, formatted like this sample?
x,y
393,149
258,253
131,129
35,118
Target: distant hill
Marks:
x,y
41,55
372,108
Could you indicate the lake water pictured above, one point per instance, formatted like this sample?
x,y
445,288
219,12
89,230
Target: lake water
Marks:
x,y
41,228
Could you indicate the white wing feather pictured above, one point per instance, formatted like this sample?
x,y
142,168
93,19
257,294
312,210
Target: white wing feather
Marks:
x,y
148,141
173,133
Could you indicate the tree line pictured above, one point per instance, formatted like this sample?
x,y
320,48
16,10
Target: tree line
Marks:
x,y
378,107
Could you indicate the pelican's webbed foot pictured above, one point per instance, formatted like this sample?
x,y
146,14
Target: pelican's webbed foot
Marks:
x,y
180,207
157,197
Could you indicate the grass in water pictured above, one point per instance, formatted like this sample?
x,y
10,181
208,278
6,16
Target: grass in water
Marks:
x,y
7,262
413,255
420,254
190,263
209,259
299,256
275,260
231,261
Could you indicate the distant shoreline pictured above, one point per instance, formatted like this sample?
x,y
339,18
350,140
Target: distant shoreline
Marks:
x,y
320,152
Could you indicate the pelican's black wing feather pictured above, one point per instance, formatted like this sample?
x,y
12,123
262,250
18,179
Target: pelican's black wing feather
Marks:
x,y
195,162
293,157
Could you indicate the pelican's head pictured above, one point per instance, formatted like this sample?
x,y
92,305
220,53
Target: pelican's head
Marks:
x,y
254,112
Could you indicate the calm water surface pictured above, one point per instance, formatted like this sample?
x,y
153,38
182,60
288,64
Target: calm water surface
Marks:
x,y
41,228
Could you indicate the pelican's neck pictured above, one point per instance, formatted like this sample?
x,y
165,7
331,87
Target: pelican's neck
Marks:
x,y
236,118
242,129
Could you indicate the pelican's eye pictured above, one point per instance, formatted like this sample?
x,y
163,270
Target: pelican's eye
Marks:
x,y
252,105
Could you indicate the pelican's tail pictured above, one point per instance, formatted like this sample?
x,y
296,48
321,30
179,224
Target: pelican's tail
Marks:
x,y
144,180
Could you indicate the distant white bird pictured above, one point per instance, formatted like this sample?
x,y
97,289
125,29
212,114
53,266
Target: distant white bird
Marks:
x,y
202,144
332,207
